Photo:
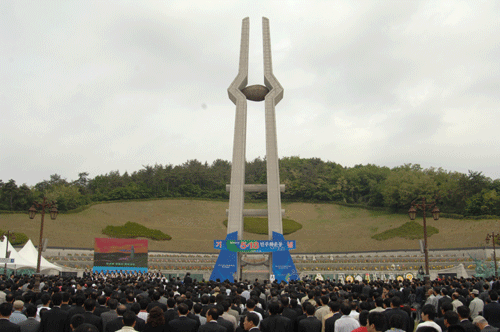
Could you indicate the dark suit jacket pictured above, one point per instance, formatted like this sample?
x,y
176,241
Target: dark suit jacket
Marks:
x,y
107,317
100,309
276,323
170,315
55,320
183,324
75,310
409,323
30,325
291,315
330,322
212,327
310,324
225,323
8,326
93,319
151,305
117,324
468,326
491,312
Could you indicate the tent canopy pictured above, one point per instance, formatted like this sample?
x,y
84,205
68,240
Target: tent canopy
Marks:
x,y
26,258
30,253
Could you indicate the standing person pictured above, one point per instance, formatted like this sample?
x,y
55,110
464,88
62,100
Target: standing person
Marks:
x,y
363,321
182,323
275,322
251,321
345,323
428,314
376,322
128,322
310,323
17,316
476,306
108,316
329,322
56,319
491,311
5,324
212,325
155,321
483,325
30,324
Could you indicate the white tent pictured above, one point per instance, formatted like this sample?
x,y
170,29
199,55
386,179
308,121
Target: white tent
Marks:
x,y
19,261
31,254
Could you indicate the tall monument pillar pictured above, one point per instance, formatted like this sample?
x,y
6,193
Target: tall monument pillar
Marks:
x,y
271,93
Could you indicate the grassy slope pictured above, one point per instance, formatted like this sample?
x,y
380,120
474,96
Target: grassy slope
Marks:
x,y
194,225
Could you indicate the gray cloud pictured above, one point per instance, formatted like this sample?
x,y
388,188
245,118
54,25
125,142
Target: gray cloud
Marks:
x,y
101,86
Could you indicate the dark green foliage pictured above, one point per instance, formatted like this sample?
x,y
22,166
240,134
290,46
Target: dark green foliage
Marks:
x,y
305,179
257,225
134,230
15,238
410,230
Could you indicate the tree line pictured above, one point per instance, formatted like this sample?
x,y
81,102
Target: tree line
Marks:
x,y
306,179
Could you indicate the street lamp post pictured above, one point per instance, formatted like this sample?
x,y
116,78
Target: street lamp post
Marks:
x,y
493,237
53,214
435,215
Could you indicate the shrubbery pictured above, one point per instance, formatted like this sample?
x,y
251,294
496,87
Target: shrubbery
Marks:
x,y
410,230
16,238
134,230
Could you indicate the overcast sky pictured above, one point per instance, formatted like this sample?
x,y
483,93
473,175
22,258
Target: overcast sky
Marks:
x,y
114,85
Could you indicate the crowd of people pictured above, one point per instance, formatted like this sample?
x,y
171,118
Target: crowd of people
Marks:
x,y
151,302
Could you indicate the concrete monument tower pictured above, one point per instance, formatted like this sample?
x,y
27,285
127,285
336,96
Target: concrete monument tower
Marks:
x,y
271,94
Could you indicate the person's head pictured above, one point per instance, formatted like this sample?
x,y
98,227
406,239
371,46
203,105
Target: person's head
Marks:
x,y
397,322
428,312
345,309
31,311
376,322
447,306
182,309
334,306
212,314
135,307
493,295
197,308
112,304
155,317
274,308
120,310
480,322
325,299
89,304
129,318
76,321
363,318
5,309
170,303
251,320
310,309
395,302
463,312
18,305
250,304
450,318
45,299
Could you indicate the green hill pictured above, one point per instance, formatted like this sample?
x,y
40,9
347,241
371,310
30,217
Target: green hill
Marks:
x,y
194,224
